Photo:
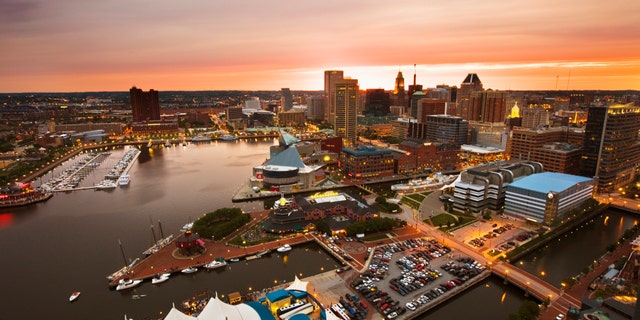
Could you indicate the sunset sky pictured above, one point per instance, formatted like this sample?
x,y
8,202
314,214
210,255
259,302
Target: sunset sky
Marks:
x,y
111,45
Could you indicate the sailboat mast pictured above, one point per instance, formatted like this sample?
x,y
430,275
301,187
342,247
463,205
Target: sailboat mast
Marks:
x,y
153,234
124,257
161,233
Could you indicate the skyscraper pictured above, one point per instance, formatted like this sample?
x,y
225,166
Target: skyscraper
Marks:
x,y
330,77
476,104
145,106
286,99
611,150
398,90
345,99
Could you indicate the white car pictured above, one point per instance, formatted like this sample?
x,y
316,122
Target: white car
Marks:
x,y
410,306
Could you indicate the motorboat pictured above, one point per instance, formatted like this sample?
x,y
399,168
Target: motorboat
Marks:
x,y
127,284
189,270
186,227
106,185
234,260
74,296
201,138
124,180
159,278
215,264
228,137
284,248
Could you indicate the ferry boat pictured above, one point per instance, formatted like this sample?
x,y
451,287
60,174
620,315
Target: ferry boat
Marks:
x,y
127,284
124,180
21,194
284,248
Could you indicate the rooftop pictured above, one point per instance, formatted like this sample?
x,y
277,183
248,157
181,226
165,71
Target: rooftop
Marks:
x,y
549,181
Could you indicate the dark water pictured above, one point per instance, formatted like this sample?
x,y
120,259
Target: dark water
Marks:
x,y
71,242
569,254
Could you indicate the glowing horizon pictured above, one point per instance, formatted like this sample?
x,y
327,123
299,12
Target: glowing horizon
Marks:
x,y
111,45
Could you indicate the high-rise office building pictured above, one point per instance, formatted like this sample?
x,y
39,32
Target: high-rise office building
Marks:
x,y
286,99
145,106
427,107
330,77
398,90
315,107
611,149
476,104
345,99
377,102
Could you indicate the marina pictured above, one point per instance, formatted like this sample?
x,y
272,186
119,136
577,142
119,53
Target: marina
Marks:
x,y
114,216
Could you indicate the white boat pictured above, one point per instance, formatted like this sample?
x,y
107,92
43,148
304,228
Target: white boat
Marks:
x,y
161,277
284,248
74,296
215,264
105,185
189,270
127,284
124,180
228,137
429,183
234,259
201,138
186,227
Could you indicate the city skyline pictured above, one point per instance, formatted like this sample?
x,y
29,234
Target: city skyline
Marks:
x,y
71,46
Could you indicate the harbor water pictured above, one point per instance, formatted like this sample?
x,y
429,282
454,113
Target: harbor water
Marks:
x,y
70,243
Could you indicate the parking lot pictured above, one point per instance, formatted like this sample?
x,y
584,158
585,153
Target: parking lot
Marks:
x,y
499,236
408,276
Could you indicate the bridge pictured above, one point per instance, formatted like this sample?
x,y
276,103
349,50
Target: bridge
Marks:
x,y
531,284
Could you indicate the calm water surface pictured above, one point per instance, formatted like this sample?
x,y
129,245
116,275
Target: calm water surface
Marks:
x,y
71,242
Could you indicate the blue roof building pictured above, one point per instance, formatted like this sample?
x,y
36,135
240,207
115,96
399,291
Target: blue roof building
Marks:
x,y
547,196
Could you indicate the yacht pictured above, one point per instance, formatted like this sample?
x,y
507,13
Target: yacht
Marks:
x,y
124,180
189,270
228,137
159,278
215,264
128,283
284,248
201,138
105,185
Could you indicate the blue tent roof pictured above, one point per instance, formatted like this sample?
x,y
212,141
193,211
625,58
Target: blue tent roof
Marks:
x,y
300,316
277,295
548,181
261,310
